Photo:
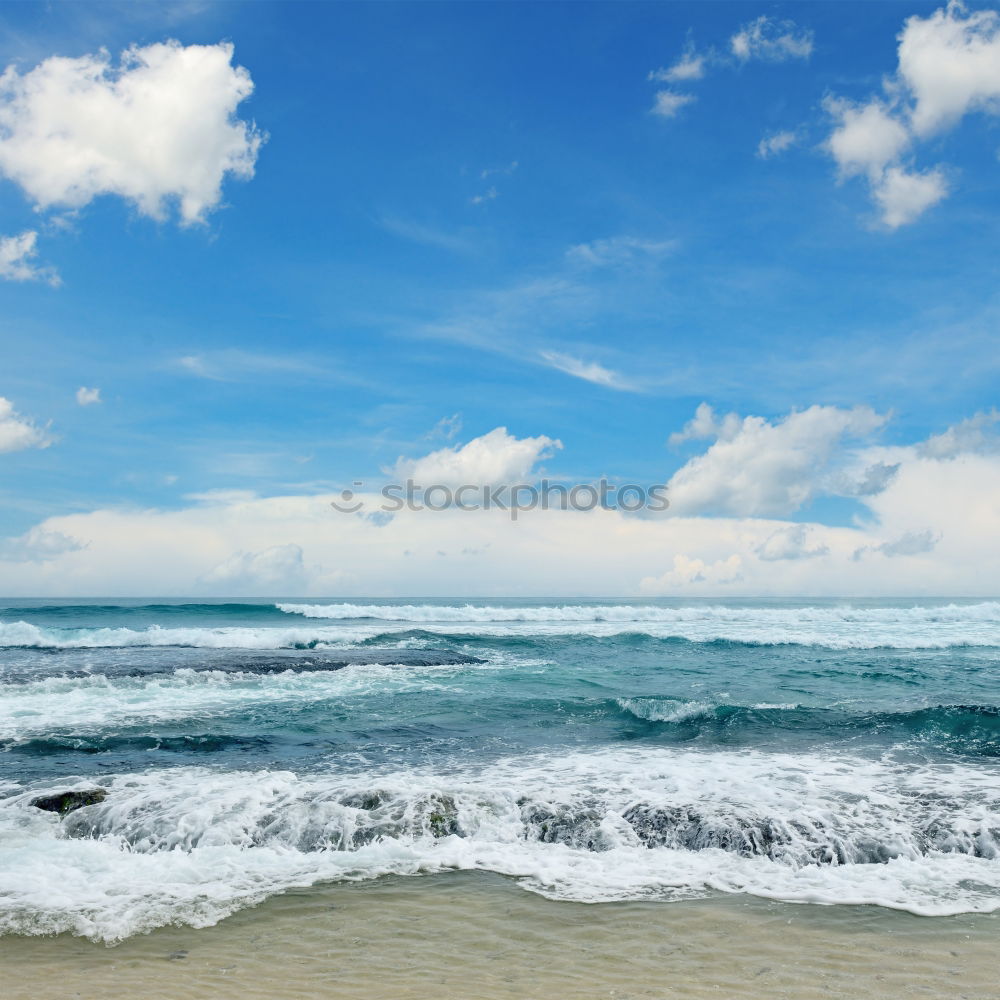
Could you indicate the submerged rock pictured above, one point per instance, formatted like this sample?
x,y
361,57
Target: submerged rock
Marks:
x,y
66,802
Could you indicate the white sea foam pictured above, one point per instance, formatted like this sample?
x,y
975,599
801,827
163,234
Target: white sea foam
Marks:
x,y
24,634
988,611
97,703
665,709
835,626
839,627
192,845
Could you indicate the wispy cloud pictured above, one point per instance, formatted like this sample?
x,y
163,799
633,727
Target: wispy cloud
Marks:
x,y
772,40
618,250
232,365
690,66
490,194
775,144
589,371
426,235
504,171
764,39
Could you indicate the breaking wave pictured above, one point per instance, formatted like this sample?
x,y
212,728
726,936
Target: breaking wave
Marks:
x,y
192,845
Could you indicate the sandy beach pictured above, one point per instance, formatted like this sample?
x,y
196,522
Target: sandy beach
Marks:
x,y
467,936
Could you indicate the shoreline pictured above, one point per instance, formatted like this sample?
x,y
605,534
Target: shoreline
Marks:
x,y
467,935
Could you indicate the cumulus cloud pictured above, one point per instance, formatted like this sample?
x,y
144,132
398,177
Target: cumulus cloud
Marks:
x,y
87,397
772,40
758,468
18,432
933,529
948,65
18,260
667,103
950,62
589,371
158,128
278,570
866,138
493,458
775,144
904,196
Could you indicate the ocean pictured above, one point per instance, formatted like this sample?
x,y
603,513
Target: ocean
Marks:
x,y
824,752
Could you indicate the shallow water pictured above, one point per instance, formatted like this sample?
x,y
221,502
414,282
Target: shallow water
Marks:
x,y
478,937
826,751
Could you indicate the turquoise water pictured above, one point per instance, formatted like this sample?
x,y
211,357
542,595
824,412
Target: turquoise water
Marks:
x,y
815,751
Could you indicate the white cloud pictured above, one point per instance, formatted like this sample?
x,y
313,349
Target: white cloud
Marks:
x,y
87,397
668,103
17,260
934,529
690,66
17,432
616,251
158,128
38,545
976,434
867,137
775,144
705,424
772,40
276,570
948,66
493,458
904,197
757,468
950,62
589,371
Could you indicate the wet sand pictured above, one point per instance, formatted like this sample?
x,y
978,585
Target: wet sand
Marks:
x,y
467,936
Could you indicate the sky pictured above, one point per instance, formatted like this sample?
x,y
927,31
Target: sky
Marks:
x,y
255,254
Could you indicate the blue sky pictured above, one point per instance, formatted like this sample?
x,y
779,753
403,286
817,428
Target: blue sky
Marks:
x,y
475,210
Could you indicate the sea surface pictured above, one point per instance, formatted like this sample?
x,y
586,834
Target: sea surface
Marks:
x,y
817,752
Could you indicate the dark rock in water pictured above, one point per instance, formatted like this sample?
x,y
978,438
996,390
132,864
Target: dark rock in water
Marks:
x,y
66,802
442,817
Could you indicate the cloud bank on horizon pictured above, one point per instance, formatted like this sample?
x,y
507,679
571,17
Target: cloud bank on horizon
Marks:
x,y
190,384
929,519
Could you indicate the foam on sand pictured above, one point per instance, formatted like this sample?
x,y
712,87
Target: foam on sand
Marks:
x,y
192,845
